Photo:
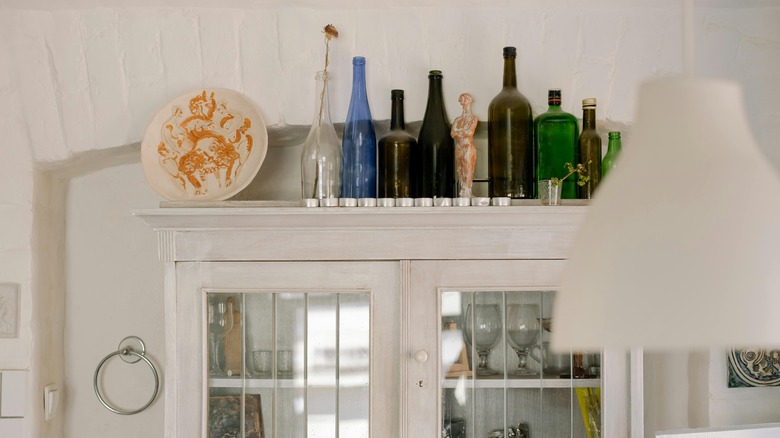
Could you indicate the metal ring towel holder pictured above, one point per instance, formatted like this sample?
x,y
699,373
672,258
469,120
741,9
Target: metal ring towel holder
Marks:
x,y
127,349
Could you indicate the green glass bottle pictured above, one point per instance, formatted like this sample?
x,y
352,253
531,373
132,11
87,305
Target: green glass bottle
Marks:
x,y
395,154
511,152
613,151
556,134
590,149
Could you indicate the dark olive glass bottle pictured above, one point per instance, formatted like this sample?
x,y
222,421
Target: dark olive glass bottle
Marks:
x,y
435,165
511,152
555,133
590,149
395,154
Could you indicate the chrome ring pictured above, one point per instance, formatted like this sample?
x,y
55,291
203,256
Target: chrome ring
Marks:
x,y
125,352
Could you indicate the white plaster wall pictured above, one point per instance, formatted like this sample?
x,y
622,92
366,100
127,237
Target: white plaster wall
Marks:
x,y
80,80
16,216
114,289
93,78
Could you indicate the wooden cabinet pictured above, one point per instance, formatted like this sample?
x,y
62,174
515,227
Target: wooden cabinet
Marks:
x,y
353,308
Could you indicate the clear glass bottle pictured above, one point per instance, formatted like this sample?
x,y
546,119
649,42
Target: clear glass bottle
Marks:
x,y
613,151
359,141
511,154
321,156
436,158
556,135
395,154
590,149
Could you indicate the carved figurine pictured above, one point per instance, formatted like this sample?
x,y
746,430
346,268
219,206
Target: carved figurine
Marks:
x,y
465,152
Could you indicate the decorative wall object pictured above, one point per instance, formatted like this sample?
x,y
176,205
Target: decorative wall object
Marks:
x,y
206,145
9,310
749,367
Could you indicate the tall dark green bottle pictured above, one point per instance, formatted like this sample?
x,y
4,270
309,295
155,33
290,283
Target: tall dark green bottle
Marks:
x,y
556,135
511,152
435,167
395,154
590,149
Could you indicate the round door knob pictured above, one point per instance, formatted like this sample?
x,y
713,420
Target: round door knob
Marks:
x,y
421,356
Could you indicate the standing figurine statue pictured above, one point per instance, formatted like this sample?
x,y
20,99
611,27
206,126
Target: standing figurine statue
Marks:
x,y
465,152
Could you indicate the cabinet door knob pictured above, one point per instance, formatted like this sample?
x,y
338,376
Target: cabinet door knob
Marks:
x,y
421,356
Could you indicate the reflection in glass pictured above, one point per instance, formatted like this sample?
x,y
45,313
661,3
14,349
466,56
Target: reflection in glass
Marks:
x,y
522,329
486,322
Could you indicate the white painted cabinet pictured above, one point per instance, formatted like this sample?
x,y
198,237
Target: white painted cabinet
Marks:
x,y
356,322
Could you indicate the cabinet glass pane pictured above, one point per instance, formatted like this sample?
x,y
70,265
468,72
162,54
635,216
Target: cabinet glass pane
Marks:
x,y
500,378
292,364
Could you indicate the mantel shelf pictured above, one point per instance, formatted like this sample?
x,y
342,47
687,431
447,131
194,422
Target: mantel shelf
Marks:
x,y
273,231
281,214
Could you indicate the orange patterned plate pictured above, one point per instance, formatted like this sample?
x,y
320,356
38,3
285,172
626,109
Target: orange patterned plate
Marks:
x,y
206,145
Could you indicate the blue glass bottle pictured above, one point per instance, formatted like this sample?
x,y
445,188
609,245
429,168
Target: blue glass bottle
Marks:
x,y
358,176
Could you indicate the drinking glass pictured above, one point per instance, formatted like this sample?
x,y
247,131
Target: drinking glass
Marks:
x,y
522,330
220,320
485,325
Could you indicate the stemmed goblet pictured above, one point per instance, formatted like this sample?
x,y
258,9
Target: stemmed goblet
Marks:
x,y
486,330
522,330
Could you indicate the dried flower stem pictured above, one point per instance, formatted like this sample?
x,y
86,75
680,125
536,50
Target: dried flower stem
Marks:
x,y
580,170
330,32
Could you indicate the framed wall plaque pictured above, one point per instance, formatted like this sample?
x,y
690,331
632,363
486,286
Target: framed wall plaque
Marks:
x,y
9,310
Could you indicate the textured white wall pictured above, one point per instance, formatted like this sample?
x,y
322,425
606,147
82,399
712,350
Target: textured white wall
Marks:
x,y
76,81
114,289
93,78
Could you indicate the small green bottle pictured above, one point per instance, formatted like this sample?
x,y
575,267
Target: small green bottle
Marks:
x,y
556,135
613,152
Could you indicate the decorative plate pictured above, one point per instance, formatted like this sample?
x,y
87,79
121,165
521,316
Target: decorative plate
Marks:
x,y
753,367
206,145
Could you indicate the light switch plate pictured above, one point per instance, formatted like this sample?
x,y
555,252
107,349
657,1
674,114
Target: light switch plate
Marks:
x,y
51,401
11,427
13,394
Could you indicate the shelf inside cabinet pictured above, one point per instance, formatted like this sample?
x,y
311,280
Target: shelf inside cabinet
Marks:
x,y
227,382
524,383
252,382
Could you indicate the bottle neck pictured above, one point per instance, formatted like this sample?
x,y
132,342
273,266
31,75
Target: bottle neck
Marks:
x,y
321,104
614,144
359,82
589,118
510,74
397,117
435,104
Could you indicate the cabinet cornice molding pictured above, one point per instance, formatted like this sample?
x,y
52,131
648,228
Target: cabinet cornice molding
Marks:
x,y
230,233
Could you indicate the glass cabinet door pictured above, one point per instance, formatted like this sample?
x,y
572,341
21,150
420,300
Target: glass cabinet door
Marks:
x,y
500,376
289,364
299,349
487,326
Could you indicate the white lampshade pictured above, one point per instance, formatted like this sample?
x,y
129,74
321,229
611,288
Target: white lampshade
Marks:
x,y
681,246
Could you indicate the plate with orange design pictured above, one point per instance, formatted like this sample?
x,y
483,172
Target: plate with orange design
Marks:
x,y
206,145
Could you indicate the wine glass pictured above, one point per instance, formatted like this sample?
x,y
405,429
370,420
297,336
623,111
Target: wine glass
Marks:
x,y
522,330
486,330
